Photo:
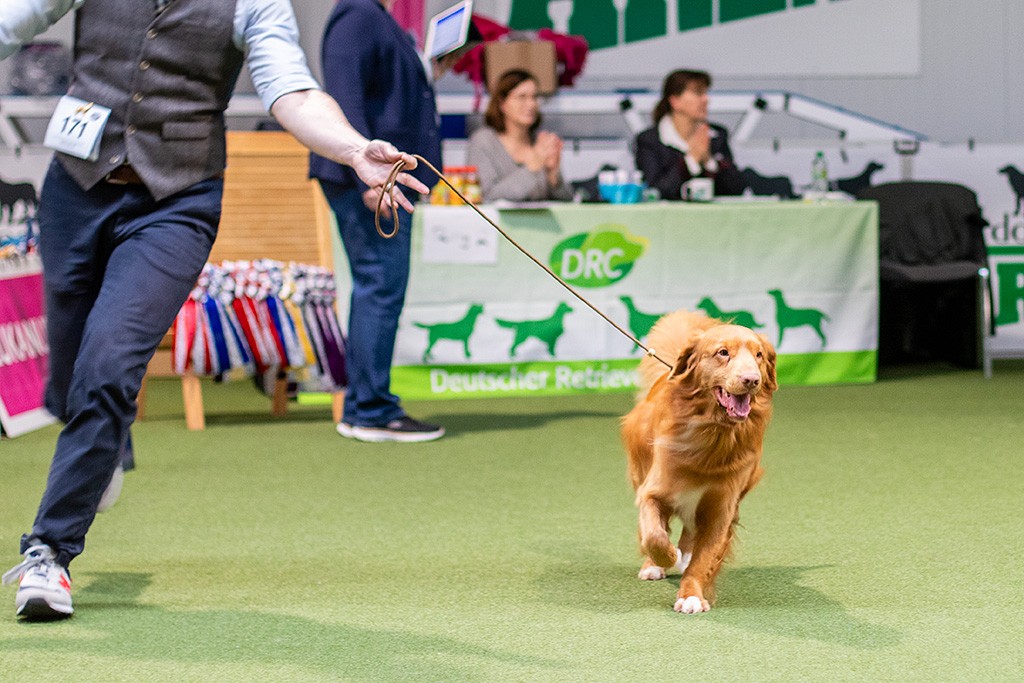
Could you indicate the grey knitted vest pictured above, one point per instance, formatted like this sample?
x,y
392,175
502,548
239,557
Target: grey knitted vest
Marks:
x,y
167,79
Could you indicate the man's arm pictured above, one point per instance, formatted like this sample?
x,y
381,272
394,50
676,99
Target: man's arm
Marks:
x,y
317,121
270,37
23,20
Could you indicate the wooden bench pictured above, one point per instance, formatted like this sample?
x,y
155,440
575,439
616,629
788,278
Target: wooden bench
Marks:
x,y
271,210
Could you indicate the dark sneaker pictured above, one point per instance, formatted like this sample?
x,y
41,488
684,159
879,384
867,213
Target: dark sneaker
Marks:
x,y
44,587
404,430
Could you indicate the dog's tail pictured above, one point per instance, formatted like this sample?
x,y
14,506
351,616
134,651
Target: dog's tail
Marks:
x,y
506,323
424,326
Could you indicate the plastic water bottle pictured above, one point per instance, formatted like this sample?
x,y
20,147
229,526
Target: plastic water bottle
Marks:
x,y
819,174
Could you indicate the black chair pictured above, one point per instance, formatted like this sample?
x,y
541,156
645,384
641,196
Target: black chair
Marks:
x,y
935,296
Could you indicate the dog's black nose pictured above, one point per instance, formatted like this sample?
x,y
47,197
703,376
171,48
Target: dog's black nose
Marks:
x,y
750,381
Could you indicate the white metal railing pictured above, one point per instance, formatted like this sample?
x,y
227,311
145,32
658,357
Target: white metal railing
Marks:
x,y
633,106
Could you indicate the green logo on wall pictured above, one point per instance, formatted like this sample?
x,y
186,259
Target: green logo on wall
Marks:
x,y
599,258
599,20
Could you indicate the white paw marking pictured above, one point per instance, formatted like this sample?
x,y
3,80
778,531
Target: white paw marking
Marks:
x,y
652,573
682,560
691,605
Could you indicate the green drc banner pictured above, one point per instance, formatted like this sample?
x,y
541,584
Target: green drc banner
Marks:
x,y
482,319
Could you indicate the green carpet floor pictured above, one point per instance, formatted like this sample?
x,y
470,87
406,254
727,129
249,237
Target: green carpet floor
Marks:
x,y
884,544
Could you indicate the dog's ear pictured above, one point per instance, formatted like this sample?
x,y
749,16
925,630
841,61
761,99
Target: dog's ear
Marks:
x,y
771,383
686,361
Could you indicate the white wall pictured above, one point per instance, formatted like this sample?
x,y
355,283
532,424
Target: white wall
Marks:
x,y
971,82
970,85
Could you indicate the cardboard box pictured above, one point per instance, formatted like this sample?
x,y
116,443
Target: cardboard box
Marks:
x,y
535,56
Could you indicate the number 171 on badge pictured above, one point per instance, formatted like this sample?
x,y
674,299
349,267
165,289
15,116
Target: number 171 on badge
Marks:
x,y
76,128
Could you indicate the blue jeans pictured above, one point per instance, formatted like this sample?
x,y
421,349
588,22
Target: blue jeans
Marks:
x,y
117,266
380,273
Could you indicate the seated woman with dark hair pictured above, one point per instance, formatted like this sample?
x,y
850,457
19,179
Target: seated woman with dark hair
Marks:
x,y
515,160
682,144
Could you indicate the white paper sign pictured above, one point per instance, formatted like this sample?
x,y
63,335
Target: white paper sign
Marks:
x,y
459,235
76,128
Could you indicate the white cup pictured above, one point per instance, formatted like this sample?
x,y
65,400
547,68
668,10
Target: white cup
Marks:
x,y
699,190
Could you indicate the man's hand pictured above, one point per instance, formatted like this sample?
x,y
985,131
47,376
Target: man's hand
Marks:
x,y
373,165
370,202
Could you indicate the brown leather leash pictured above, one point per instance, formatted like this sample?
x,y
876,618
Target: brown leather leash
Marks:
x,y
389,189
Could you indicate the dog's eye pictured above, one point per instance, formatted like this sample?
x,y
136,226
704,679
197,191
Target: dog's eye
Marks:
x,y
724,353
760,355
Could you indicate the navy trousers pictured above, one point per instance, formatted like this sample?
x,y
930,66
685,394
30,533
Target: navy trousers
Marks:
x,y
380,274
117,266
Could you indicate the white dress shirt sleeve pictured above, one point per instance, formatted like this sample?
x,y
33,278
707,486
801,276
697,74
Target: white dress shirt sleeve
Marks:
x,y
267,32
23,20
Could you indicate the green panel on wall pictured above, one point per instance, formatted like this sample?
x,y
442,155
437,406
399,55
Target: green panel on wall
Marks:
x,y
731,10
801,3
527,15
646,19
694,14
597,21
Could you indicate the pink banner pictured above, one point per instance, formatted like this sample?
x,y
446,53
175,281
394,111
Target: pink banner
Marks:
x,y
409,15
24,352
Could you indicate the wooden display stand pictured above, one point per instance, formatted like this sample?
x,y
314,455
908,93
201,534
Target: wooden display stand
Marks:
x,y
271,210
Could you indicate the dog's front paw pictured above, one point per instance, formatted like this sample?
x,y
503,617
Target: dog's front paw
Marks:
x,y
651,573
692,605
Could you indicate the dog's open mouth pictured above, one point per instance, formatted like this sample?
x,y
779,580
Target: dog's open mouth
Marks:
x,y
737,406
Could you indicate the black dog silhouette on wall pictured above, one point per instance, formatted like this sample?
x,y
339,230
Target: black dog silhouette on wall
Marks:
x,y
853,186
1016,179
780,186
11,194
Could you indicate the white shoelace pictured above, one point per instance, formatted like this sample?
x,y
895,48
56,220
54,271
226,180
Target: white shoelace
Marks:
x,y
34,556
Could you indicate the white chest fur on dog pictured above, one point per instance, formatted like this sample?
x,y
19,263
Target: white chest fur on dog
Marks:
x,y
686,505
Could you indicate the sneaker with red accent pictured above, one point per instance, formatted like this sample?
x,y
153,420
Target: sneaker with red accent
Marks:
x,y
44,588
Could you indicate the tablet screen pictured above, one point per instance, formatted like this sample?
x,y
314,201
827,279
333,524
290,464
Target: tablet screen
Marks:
x,y
448,30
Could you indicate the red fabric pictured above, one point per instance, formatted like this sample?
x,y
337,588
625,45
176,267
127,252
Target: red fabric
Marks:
x,y
409,15
472,63
275,334
184,335
570,53
246,320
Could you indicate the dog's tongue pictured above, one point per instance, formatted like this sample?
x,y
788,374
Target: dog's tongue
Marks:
x,y
737,406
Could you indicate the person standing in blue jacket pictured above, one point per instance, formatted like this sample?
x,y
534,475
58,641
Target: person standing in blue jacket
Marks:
x,y
372,68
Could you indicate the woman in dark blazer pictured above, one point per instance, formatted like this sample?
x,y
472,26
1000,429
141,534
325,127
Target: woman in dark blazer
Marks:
x,y
682,144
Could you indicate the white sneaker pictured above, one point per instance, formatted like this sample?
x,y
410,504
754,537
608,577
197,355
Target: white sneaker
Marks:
x,y
113,490
345,429
44,589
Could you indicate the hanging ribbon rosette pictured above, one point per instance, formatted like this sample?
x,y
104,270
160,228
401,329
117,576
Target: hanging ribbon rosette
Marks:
x,y
248,317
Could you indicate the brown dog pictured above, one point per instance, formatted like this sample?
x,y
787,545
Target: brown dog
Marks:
x,y
694,445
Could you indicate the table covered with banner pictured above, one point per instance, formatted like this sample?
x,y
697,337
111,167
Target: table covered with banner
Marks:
x,y
481,319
